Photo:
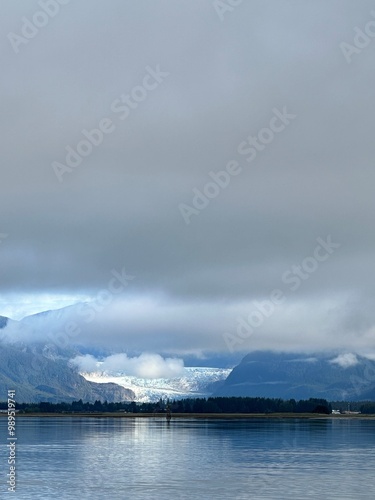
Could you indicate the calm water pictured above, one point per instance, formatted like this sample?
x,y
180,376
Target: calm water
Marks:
x,y
138,459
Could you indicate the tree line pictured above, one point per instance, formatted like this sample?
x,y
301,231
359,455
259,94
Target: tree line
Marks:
x,y
188,405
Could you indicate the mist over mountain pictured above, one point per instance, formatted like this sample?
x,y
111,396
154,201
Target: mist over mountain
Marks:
x,y
44,358
43,361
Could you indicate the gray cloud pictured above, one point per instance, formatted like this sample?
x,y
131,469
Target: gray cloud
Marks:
x,y
119,207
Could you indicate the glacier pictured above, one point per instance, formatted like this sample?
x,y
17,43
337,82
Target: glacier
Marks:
x,y
195,382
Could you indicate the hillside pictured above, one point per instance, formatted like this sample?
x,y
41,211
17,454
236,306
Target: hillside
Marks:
x,y
39,377
301,376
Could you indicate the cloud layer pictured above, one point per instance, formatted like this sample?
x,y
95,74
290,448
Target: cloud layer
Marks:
x,y
216,83
146,365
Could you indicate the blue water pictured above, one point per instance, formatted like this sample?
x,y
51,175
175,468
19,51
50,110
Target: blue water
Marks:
x,y
147,458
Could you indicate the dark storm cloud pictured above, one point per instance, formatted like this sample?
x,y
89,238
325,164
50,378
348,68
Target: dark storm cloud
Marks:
x,y
119,208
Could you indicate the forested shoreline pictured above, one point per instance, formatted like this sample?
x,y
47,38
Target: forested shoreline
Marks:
x,y
189,405
198,405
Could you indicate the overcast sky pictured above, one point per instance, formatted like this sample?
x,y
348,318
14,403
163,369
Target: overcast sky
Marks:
x,y
202,79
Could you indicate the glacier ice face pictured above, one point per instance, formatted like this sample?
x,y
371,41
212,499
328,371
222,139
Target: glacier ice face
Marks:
x,y
195,382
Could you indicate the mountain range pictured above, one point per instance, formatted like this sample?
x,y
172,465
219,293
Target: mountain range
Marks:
x,y
39,370
346,376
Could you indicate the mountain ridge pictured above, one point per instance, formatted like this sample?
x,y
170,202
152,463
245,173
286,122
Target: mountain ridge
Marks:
x,y
330,376
35,377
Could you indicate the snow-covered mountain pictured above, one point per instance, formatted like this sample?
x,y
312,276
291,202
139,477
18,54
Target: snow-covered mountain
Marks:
x,y
195,382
